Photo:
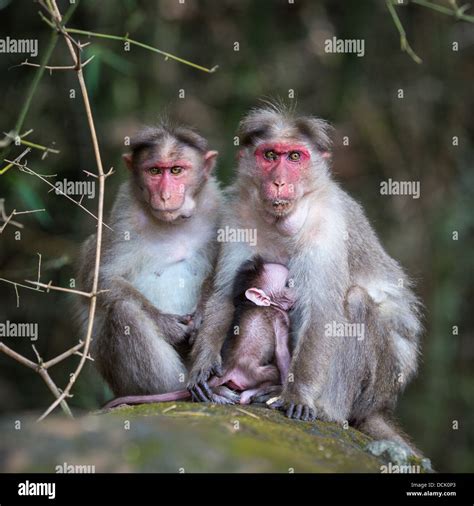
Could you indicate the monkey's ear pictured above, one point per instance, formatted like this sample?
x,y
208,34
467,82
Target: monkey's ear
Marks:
x,y
210,161
257,296
127,158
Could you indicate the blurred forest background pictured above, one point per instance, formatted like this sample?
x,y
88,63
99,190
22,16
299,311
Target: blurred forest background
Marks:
x,y
281,48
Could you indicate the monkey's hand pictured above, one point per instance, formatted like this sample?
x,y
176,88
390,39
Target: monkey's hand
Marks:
x,y
197,319
293,409
198,380
176,328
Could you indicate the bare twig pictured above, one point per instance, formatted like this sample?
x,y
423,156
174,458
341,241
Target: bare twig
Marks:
x,y
52,69
403,37
100,211
49,286
8,219
16,285
40,369
16,356
10,137
456,12
24,168
63,356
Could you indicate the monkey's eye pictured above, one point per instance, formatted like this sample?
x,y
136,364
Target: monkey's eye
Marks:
x,y
176,170
270,154
294,156
155,171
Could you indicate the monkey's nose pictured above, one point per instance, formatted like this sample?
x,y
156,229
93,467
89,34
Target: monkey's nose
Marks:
x,y
165,196
279,184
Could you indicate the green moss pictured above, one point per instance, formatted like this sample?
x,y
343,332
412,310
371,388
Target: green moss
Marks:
x,y
189,437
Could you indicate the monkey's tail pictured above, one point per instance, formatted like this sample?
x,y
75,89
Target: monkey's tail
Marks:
x,y
379,426
148,399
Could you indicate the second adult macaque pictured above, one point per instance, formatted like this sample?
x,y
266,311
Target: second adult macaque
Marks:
x,y
342,275
256,355
155,262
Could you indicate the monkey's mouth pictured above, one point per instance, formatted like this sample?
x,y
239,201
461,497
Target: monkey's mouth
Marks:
x,y
167,216
175,216
281,207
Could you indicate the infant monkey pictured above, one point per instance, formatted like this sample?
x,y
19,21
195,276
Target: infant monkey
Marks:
x,y
256,354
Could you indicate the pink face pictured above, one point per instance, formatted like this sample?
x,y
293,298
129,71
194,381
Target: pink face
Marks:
x,y
281,165
169,182
165,183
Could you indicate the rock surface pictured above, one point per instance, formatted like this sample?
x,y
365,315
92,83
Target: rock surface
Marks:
x,y
183,437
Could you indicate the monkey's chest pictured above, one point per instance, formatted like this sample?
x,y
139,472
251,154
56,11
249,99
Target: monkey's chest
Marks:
x,y
174,286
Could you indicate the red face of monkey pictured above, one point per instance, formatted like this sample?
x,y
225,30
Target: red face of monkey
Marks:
x,y
282,168
165,182
169,177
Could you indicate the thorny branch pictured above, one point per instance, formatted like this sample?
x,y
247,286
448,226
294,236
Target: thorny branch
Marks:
x,y
7,219
455,11
24,168
100,211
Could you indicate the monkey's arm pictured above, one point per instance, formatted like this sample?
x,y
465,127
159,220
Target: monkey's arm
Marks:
x,y
314,351
282,351
198,317
175,328
306,375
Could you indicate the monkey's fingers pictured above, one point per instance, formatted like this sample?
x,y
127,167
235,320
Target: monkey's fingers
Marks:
x,y
220,399
289,410
305,416
199,393
208,391
194,397
300,412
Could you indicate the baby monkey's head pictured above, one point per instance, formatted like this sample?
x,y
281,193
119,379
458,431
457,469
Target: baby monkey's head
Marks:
x,y
263,284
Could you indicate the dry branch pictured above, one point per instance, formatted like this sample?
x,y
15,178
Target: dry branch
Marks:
x,y
100,210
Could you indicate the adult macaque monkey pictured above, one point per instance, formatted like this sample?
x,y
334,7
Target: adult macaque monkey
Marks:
x,y
340,271
154,261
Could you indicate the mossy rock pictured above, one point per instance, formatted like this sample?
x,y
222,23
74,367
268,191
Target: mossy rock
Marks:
x,y
184,437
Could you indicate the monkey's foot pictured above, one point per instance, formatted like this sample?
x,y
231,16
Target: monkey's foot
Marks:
x,y
198,383
295,411
224,395
398,453
262,395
